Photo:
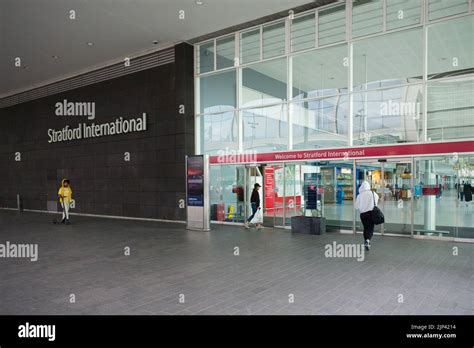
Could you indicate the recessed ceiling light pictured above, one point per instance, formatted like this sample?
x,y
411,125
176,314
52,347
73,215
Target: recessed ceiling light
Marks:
x,y
90,43
199,2
55,57
155,42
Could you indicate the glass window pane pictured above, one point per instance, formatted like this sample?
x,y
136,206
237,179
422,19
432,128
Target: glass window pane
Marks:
x,y
217,92
388,116
265,129
218,132
226,193
451,47
274,40
225,52
367,17
250,46
321,123
401,13
388,60
303,32
264,83
320,73
443,8
332,25
206,57
451,109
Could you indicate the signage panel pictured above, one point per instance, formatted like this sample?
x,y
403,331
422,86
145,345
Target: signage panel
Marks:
x,y
453,147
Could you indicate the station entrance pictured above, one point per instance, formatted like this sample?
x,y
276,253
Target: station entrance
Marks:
x,y
419,195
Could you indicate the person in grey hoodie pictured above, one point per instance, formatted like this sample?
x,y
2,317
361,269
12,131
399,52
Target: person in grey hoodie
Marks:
x,y
365,202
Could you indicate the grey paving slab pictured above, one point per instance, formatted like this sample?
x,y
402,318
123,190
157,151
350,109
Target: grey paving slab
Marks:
x,y
87,259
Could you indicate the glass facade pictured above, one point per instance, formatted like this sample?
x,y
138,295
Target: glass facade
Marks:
x,y
359,72
363,72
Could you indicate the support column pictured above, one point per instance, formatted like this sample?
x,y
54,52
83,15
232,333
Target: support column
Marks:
x,y
430,200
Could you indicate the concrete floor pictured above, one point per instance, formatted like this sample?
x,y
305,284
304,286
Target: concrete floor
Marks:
x,y
87,259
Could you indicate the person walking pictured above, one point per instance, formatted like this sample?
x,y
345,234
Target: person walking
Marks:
x,y
461,191
65,197
365,203
467,193
255,204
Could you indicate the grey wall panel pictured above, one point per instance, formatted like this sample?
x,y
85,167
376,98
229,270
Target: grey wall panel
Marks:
x,y
103,183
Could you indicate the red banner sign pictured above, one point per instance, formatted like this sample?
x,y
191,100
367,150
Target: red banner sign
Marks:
x,y
430,190
269,186
452,148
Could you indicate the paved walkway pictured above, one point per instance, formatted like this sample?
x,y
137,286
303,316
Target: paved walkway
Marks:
x,y
273,268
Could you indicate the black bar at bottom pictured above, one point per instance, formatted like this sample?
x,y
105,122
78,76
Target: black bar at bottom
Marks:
x,y
287,330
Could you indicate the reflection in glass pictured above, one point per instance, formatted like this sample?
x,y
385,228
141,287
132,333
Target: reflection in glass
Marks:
x,y
331,25
250,46
367,17
217,92
444,211
206,57
388,60
273,40
451,109
451,48
303,32
226,192
225,52
388,116
265,129
218,132
321,123
320,73
264,83
438,9
401,13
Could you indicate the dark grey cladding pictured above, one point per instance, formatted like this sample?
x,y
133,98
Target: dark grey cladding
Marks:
x,y
150,185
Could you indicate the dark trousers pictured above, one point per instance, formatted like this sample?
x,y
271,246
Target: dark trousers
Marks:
x,y
366,219
254,210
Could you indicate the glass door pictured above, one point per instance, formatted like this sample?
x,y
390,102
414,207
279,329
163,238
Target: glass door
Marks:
x,y
372,172
279,195
398,196
392,180
441,186
253,175
292,193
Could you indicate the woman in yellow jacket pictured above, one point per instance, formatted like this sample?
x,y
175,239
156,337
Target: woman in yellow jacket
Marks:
x,y
65,197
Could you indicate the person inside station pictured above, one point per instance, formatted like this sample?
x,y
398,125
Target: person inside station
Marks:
x,y
65,197
365,203
255,203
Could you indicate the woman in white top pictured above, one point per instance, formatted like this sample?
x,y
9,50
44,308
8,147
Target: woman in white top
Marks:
x,y
365,204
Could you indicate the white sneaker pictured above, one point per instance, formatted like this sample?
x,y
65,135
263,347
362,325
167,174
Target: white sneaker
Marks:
x,y
246,224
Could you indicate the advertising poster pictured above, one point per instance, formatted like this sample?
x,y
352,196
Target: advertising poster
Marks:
x,y
269,183
195,181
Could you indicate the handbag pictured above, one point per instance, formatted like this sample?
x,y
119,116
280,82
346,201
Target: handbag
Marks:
x,y
377,215
258,218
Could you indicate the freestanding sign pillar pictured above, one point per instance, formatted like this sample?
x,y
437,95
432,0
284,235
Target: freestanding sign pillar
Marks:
x,y
197,193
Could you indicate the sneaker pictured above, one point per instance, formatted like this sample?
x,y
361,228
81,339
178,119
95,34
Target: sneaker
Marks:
x,y
246,224
67,222
63,221
260,227
367,244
